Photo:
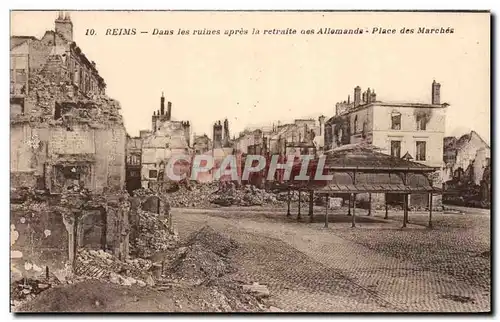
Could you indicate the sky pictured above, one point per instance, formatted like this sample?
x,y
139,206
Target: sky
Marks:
x,y
263,79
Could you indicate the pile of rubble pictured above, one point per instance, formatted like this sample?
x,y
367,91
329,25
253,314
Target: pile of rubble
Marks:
x,y
247,195
28,288
192,195
153,235
203,258
98,264
209,194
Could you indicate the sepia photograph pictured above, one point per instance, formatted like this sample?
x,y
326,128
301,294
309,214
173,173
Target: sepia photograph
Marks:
x,y
250,161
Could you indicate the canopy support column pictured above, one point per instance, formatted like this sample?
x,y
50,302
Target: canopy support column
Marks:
x,y
300,203
311,205
369,204
405,209
430,210
288,203
327,200
353,197
386,208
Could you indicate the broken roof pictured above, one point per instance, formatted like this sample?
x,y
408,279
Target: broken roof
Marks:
x,y
366,157
452,143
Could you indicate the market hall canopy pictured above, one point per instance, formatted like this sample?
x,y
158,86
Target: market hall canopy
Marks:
x,y
361,168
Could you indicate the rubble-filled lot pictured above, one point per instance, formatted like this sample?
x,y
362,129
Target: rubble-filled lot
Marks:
x,y
222,195
192,277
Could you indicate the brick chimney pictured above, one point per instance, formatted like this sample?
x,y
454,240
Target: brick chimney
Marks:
x,y
321,120
357,96
169,111
162,104
436,93
64,26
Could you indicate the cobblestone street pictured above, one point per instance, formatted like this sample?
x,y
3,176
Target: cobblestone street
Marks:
x,y
376,266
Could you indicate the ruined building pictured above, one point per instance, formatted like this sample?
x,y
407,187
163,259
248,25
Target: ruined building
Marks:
x,y
221,137
65,132
303,136
166,138
469,153
201,144
67,153
467,163
133,164
217,135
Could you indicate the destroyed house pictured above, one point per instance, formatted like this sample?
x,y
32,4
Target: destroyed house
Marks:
x,y
65,132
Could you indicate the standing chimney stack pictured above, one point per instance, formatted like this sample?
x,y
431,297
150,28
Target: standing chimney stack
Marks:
x,y
64,26
436,93
321,120
169,111
357,96
162,104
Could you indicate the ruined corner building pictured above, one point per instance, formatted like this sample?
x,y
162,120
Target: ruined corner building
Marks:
x,y
65,132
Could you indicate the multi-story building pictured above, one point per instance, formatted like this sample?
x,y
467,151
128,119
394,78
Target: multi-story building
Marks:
x,y
64,131
413,130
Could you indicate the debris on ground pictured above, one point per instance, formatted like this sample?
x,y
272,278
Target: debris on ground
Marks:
x,y
260,291
247,195
203,257
28,288
98,264
153,235
198,279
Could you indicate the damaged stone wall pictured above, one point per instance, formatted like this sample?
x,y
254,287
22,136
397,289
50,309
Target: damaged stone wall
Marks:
x,y
47,230
38,239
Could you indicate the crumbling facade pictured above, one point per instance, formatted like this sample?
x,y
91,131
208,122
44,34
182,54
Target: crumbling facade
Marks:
x,y
468,153
300,137
64,131
201,144
467,169
166,138
221,137
133,164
